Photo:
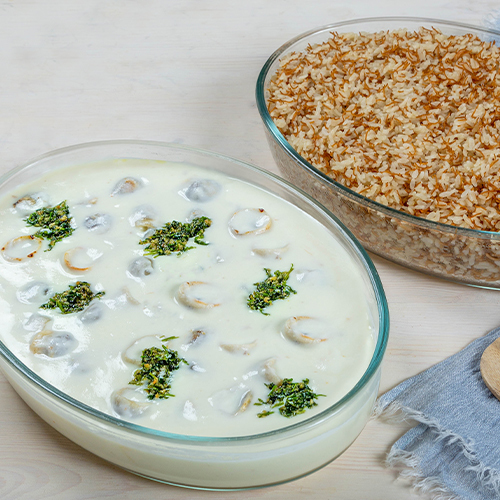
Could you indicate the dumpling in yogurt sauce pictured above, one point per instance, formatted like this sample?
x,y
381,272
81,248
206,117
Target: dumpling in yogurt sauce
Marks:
x,y
53,344
250,221
98,223
31,202
201,190
35,292
141,267
143,217
126,185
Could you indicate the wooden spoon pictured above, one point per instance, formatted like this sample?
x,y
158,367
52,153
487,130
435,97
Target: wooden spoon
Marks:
x,y
490,367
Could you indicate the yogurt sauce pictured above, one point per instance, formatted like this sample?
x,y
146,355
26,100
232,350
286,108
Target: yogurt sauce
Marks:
x,y
232,351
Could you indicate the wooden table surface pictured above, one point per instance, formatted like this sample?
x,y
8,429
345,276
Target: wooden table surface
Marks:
x,y
185,71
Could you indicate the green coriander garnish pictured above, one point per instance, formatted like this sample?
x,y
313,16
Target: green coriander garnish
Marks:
x,y
75,299
264,413
273,288
292,398
54,221
174,236
157,365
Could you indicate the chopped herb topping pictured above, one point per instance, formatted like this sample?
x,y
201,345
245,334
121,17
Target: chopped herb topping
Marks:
x,y
173,237
264,413
54,221
75,299
157,365
271,289
292,398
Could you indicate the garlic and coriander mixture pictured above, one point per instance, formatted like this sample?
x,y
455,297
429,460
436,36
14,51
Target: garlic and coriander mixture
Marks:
x,y
180,299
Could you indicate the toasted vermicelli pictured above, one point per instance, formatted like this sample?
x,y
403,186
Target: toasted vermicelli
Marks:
x,y
408,119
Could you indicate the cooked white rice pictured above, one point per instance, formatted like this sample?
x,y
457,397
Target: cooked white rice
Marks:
x,y
409,119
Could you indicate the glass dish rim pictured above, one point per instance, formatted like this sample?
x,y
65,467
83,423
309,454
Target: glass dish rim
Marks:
x,y
381,300
260,92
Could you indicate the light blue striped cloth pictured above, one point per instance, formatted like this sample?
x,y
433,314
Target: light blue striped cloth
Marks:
x,y
454,450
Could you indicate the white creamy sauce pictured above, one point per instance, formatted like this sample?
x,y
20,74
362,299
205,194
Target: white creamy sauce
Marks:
x,y
324,332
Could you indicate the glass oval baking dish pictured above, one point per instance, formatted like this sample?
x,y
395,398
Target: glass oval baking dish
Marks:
x,y
458,254
221,463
